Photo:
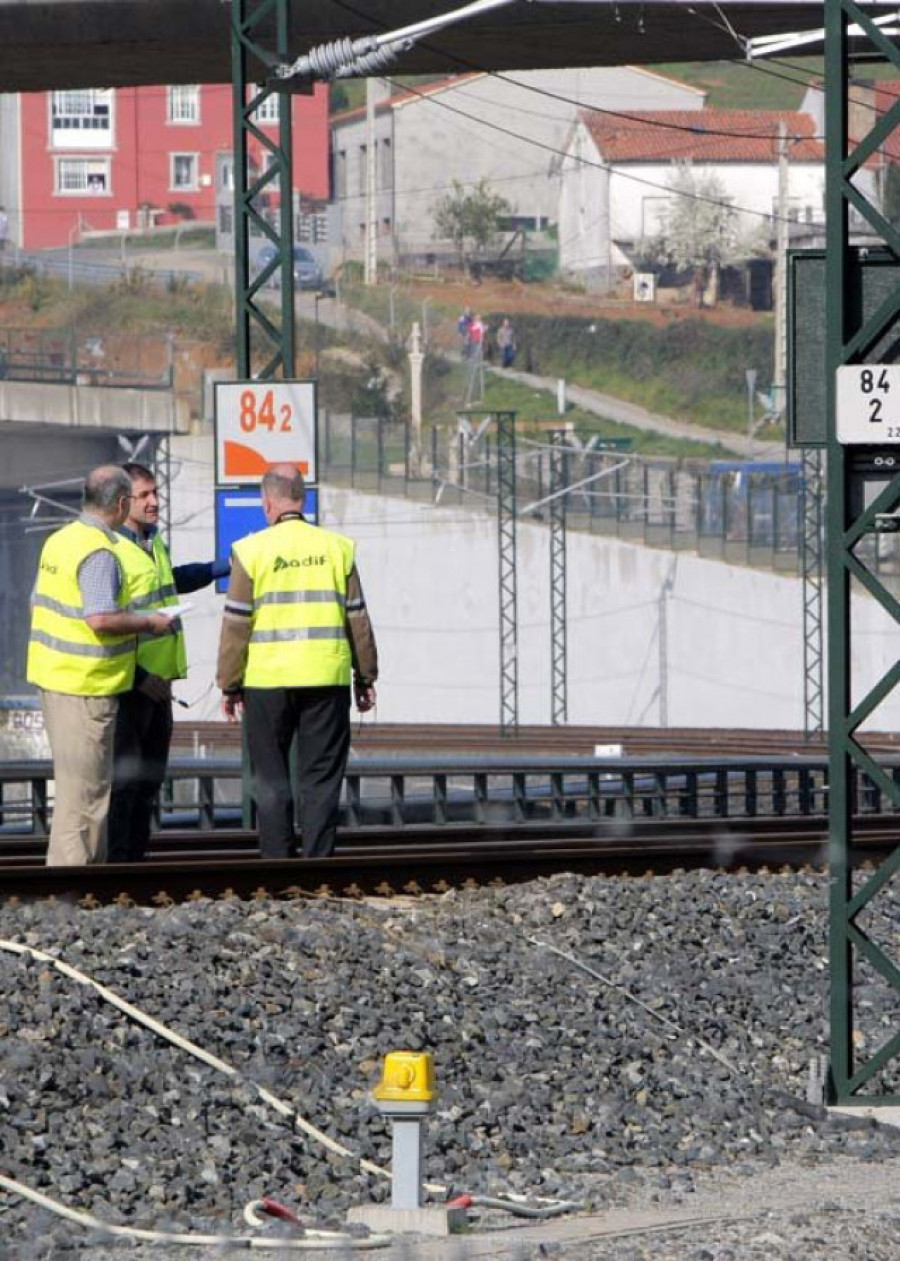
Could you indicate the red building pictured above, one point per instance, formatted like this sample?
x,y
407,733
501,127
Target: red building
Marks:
x,y
104,159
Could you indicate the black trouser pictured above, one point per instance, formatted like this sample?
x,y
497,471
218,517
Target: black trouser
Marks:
x,y
140,754
320,719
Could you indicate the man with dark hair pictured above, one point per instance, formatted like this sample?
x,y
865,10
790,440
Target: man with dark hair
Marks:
x,y
294,631
144,724
81,655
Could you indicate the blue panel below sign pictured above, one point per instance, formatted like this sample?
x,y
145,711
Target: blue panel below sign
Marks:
x,y
239,513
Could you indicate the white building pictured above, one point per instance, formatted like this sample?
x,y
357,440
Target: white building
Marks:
x,y
509,130
617,173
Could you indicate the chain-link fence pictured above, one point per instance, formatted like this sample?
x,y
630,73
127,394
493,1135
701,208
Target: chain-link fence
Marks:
x,y
65,356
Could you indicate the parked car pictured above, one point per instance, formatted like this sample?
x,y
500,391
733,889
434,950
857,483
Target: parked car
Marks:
x,y
307,272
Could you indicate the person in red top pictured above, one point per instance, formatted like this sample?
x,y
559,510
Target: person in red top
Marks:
x,y
477,336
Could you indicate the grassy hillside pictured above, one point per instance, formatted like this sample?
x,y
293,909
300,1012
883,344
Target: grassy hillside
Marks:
x,y
770,83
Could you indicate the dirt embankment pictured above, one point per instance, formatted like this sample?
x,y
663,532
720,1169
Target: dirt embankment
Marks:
x,y
514,298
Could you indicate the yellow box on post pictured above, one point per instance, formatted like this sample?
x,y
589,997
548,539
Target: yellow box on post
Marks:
x,y
407,1077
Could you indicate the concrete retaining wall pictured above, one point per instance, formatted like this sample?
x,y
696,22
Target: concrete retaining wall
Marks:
x,y
653,637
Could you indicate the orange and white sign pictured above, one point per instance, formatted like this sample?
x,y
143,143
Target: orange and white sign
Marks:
x,y
261,423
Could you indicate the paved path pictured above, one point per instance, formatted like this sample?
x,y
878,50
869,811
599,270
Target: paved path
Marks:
x,y
780,1214
610,408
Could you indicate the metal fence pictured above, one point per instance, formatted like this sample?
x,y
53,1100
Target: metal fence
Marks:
x,y
67,357
730,510
440,792
436,793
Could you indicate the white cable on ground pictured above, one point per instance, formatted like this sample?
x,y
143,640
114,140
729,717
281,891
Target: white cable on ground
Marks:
x,y
517,1205
310,1241
620,989
184,1044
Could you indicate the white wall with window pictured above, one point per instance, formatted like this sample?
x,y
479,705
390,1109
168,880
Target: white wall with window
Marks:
x,y
183,104
184,172
74,177
82,119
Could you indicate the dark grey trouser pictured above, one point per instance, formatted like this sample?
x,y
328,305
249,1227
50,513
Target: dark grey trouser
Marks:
x,y
141,752
319,717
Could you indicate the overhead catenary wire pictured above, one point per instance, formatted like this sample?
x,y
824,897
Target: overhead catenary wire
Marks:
x,y
767,216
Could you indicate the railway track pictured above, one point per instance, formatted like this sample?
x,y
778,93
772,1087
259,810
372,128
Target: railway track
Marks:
x,y
386,861
578,741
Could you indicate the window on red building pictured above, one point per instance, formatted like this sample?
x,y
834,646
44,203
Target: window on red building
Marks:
x,y
184,104
269,110
184,171
77,176
80,118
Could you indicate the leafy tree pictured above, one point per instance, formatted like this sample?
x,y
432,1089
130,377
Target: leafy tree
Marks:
x,y
698,229
471,219
372,396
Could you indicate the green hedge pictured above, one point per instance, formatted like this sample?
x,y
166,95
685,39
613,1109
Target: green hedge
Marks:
x,y
687,367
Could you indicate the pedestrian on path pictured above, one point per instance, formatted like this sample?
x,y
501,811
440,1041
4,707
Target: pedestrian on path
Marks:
x,y
464,331
506,343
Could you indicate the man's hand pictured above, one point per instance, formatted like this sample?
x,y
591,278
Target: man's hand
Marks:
x,y
233,706
159,624
364,695
156,688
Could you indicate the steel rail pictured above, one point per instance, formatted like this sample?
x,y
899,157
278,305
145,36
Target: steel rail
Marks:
x,y
388,862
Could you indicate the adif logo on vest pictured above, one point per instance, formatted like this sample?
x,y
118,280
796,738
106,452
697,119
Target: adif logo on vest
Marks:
x,y
302,562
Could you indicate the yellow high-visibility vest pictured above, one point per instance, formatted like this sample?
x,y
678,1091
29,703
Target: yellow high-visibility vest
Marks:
x,y
299,574
64,654
153,588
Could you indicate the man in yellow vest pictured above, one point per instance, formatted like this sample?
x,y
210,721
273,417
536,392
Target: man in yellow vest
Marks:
x,y
81,655
295,631
144,724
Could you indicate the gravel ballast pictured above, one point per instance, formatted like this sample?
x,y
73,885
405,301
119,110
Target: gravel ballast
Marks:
x,y
682,1057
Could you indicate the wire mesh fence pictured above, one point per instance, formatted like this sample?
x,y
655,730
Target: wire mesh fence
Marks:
x,y
736,510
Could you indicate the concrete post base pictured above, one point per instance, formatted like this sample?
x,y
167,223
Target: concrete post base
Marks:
x,y
436,1219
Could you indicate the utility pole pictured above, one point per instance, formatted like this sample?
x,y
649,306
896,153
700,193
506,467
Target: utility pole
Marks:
x,y
371,266
779,378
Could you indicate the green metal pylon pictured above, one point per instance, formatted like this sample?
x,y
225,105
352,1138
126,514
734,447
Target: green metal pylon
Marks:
x,y
852,338
260,35
265,348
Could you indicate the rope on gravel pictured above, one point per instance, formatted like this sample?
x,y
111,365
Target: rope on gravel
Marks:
x,y
517,1205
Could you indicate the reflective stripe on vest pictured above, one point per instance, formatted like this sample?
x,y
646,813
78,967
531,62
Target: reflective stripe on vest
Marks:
x,y
298,632
64,654
154,588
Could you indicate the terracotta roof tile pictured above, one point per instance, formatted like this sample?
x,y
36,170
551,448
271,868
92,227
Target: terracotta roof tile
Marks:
x,y
707,135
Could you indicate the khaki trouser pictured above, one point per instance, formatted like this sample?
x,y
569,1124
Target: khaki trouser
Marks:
x,y
81,730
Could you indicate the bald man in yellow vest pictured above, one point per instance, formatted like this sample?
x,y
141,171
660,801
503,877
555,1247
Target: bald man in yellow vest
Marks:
x,y
82,652
295,634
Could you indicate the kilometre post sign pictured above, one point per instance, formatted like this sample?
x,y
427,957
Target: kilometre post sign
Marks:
x,y
261,423
868,404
